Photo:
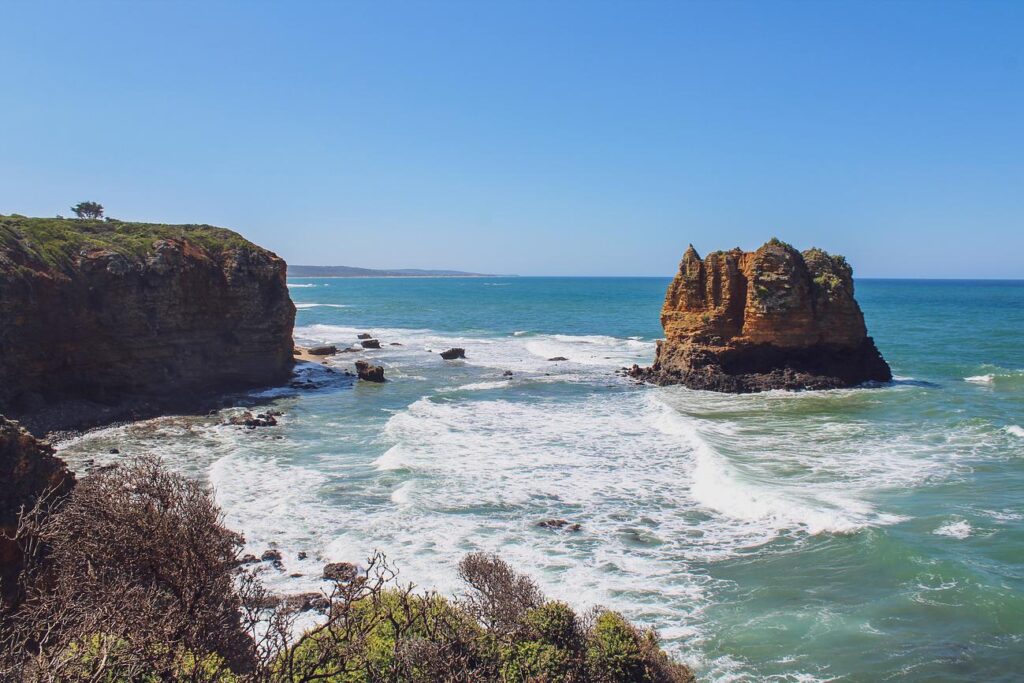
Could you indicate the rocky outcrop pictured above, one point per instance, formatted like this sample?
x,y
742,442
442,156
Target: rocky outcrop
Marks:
x,y
28,471
453,353
105,320
774,318
369,372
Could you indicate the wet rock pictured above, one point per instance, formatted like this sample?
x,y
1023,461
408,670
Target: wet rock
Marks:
x,y
114,451
453,353
342,572
507,373
307,602
558,358
559,524
351,349
364,335
370,343
368,372
248,559
247,419
328,350
302,555
394,344
271,555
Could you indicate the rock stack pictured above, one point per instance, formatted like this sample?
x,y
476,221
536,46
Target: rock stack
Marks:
x,y
774,318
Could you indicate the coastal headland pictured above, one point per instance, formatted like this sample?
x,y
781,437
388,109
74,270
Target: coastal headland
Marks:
x,y
111,320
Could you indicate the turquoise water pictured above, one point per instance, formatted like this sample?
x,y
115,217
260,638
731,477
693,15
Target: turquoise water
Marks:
x,y
855,535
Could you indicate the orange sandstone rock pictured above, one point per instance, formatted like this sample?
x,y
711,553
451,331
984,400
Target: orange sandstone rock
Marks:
x,y
774,318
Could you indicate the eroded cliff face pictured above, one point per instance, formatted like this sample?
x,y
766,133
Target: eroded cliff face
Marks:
x,y
774,318
28,471
102,321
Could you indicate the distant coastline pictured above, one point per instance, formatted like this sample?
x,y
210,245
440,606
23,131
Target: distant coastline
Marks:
x,y
350,271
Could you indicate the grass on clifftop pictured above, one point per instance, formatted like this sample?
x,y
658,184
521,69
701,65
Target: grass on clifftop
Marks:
x,y
56,242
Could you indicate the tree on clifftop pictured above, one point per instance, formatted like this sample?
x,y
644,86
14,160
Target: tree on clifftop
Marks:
x,y
88,210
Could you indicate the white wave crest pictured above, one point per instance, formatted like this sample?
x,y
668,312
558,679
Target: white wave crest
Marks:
x,y
961,529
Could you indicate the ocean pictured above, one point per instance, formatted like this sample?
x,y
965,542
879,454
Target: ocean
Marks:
x,y
852,535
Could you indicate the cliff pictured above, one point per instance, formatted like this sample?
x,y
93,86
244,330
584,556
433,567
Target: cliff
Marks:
x,y
104,320
28,470
774,318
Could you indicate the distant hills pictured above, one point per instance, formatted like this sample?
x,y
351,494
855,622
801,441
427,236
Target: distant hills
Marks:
x,y
348,271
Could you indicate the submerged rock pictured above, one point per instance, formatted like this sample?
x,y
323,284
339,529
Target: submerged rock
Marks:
x,y
368,372
558,358
364,335
453,353
559,524
774,318
247,419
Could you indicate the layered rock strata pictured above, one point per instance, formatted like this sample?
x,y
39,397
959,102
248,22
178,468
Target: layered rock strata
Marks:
x,y
106,320
774,318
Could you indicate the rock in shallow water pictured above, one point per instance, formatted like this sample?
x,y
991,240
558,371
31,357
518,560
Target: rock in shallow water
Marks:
x,y
368,372
328,350
453,353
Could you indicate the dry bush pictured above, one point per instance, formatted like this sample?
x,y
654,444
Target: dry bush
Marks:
x,y
499,597
135,579
133,576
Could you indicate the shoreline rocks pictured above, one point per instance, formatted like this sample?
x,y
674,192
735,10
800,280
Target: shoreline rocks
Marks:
x,y
453,353
774,318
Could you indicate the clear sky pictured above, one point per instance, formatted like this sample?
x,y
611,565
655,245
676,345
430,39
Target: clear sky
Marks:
x,y
547,137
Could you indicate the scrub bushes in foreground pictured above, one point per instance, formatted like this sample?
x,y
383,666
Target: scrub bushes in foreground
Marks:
x,y
135,578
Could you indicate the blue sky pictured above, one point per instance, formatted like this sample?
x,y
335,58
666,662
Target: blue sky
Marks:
x,y
545,137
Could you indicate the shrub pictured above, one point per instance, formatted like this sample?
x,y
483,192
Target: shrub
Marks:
x,y
136,579
134,574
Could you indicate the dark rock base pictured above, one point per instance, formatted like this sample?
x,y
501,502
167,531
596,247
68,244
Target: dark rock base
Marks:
x,y
764,367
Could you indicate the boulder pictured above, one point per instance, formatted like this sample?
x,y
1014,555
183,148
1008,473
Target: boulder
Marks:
x,y
368,372
774,318
342,572
453,353
328,350
370,344
364,335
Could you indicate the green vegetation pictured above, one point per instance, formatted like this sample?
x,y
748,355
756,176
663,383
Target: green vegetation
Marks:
x,y
776,242
827,281
88,210
56,242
